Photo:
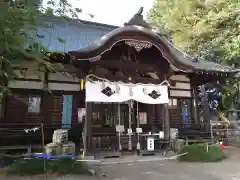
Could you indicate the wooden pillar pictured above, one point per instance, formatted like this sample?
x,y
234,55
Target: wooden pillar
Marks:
x,y
195,105
206,114
46,102
2,105
159,114
166,122
88,126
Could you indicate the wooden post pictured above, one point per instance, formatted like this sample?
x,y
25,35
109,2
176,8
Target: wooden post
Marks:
x,y
166,123
206,114
119,123
43,146
88,127
130,125
159,113
195,105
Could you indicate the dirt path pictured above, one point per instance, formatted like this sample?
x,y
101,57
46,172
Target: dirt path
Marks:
x,y
156,170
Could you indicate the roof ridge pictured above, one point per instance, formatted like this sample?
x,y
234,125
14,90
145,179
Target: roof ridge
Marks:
x,y
81,22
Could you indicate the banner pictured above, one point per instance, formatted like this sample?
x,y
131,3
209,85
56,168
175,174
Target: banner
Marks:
x,y
120,92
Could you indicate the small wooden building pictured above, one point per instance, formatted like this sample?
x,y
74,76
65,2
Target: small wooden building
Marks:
x,y
133,53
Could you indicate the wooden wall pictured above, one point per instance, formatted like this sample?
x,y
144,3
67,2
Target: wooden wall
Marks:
x,y
51,108
180,91
29,83
16,110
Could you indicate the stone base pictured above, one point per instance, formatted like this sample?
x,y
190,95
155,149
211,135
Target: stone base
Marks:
x,y
109,154
146,153
53,149
57,149
68,148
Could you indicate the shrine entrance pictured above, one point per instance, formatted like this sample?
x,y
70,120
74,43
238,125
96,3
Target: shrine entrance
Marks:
x,y
117,116
121,64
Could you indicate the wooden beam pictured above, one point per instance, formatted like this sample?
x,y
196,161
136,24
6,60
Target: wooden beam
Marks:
x,y
126,65
133,79
88,127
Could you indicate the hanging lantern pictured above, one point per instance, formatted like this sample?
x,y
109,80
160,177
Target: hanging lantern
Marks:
x,y
145,91
130,92
81,84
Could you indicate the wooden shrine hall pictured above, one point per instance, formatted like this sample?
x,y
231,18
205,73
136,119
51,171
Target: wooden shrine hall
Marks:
x,y
133,55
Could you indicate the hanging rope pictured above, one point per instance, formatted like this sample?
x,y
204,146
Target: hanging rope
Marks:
x,y
88,78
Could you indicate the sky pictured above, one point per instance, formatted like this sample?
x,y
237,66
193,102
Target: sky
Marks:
x,y
111,12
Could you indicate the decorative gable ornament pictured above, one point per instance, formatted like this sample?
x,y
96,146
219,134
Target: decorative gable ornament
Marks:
x,y
138,45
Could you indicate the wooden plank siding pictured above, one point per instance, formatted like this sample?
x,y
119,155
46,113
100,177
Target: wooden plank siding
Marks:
x,y
16,110
175,117
51,108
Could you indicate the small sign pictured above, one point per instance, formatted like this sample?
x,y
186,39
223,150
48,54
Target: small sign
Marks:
x,y
34,104
129,131
142,117
161,135
150,144
119,128
139,130
81,114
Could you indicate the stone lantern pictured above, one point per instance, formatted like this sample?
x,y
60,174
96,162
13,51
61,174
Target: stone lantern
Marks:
x,y
233,114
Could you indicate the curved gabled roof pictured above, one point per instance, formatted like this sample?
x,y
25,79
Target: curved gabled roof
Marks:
x,y
137,25
85,40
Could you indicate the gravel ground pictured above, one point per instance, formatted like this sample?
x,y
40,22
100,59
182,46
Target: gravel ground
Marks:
x,y
163,169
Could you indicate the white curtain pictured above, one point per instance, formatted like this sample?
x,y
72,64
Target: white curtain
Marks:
x,y
120,92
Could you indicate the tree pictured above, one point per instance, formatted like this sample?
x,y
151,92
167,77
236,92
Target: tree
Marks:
x,y
207,29
19,20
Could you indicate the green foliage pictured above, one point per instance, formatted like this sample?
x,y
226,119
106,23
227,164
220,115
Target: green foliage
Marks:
x,y
19,40
199,153
208,29
36,166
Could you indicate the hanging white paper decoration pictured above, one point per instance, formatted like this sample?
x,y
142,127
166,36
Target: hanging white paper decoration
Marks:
x,y
117,89
158,91
145,91
130,92
103,85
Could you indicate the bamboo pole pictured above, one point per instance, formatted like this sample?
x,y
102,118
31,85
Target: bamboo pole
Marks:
x,y
43,146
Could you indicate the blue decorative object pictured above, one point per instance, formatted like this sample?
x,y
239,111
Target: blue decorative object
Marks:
x,y
214,99
184,113
67,111
46,156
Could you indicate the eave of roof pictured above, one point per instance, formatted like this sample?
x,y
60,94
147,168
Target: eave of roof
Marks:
x,y
85,36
